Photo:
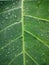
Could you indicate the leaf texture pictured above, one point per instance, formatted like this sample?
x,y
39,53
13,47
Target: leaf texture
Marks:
x,y
24,32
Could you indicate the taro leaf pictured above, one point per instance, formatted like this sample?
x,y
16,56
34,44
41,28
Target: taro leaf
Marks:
x,y
24,32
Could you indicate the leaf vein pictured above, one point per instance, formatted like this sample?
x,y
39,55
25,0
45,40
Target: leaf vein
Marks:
x,y
10,10
10,26
32,58
36,18
10,42
14,58
37,38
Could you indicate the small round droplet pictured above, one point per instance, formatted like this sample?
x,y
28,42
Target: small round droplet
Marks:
x,y
27,61
38,2
11,35
8,52
15,16
48,31
0,54
1,2
43,54
16,1
41,34
9,13
47,36
7,8
8,29
13,47
6,17
2,22
13,3
17,46
17,49
48,9
6,55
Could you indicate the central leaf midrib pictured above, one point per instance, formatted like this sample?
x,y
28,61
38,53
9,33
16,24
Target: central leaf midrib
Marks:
x,y
23,45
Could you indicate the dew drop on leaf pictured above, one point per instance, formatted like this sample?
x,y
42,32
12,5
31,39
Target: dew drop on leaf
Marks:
x,y
0,54
7,8
38,2
6,17
11,35
13,48
1,2
47,36
48,31
9,13
15,16
8,52
43,54
8,29
17,46
6,55
17,49
2,22
27,61
41,34
16,1
13,3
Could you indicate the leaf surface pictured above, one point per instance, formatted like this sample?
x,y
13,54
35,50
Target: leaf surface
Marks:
x,y
24,32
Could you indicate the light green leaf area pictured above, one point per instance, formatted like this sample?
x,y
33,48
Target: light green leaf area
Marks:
x,y
24,32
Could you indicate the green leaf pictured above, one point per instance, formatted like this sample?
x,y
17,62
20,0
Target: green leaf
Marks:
x,y
24,32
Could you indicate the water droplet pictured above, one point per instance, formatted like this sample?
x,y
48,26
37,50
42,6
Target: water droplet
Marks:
x,y
13,3
43,54
9,13
27,61
8,52
17,46
17,49
36,6
8,29
6,17
6,55
48,31
11,35
1,2
15,55
15,16
16,1
38,2
13,47
2,48
41,34
39,22
47,36
2,22
7,8
0,54
48,10
2,41
8,49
